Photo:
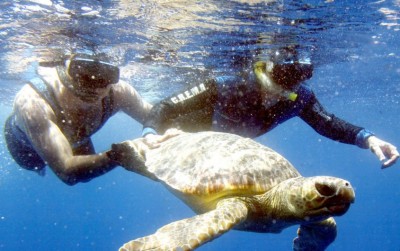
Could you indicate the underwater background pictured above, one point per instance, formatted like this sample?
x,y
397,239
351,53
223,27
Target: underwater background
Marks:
x,y
164,45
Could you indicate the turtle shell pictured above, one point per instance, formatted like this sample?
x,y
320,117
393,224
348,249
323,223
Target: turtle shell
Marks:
x,y
213,164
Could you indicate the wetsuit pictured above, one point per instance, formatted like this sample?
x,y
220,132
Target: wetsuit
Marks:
x,y
235,105
19,144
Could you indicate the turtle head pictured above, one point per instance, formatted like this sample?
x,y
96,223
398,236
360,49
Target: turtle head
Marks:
x,y
319,197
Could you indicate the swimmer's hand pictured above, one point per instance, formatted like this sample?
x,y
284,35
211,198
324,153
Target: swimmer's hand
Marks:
x,y
386,152
130,154
154,141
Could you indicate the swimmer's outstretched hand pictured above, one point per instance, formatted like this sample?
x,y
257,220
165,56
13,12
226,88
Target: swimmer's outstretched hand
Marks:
x,y
154,141
386,152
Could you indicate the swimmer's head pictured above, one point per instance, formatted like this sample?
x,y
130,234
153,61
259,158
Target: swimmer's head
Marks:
x,y
283,70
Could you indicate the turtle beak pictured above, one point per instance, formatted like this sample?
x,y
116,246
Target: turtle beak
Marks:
x,y
338,196
331,195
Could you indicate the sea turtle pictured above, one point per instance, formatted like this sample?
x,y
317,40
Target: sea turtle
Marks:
x,y
234,183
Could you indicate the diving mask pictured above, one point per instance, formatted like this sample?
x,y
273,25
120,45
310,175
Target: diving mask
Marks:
x,y
290,74
90,72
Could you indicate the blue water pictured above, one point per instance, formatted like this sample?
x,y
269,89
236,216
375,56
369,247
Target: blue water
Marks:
x,y
162,46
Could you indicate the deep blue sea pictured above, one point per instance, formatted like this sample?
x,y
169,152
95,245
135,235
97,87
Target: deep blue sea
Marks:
x,y
164,45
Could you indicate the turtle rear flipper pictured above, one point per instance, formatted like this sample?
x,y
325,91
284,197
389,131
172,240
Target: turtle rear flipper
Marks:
x,y
190,233
316,236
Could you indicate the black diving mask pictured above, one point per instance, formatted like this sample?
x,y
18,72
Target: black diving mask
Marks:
x,y
291,73
92,73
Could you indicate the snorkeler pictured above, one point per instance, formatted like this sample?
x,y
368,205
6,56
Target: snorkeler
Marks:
x,y
253,103
55,115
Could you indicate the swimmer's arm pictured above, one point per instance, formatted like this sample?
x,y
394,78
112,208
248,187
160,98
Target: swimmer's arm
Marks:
x,y
128,100
54,147
195,97
327,124
38,121
337,129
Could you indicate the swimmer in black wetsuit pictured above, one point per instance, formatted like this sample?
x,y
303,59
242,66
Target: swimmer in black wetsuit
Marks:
x,y
55,115
251,105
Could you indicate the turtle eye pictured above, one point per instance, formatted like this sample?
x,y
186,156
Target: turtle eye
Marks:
x,y
325,190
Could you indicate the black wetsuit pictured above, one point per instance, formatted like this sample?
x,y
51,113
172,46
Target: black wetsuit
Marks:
x,y
235,105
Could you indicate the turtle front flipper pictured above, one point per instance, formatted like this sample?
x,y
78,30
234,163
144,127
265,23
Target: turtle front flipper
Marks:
x,y
315,236
188,234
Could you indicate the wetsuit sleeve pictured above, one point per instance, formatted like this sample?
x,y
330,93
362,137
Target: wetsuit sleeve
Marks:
x,y
181,106
330,126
